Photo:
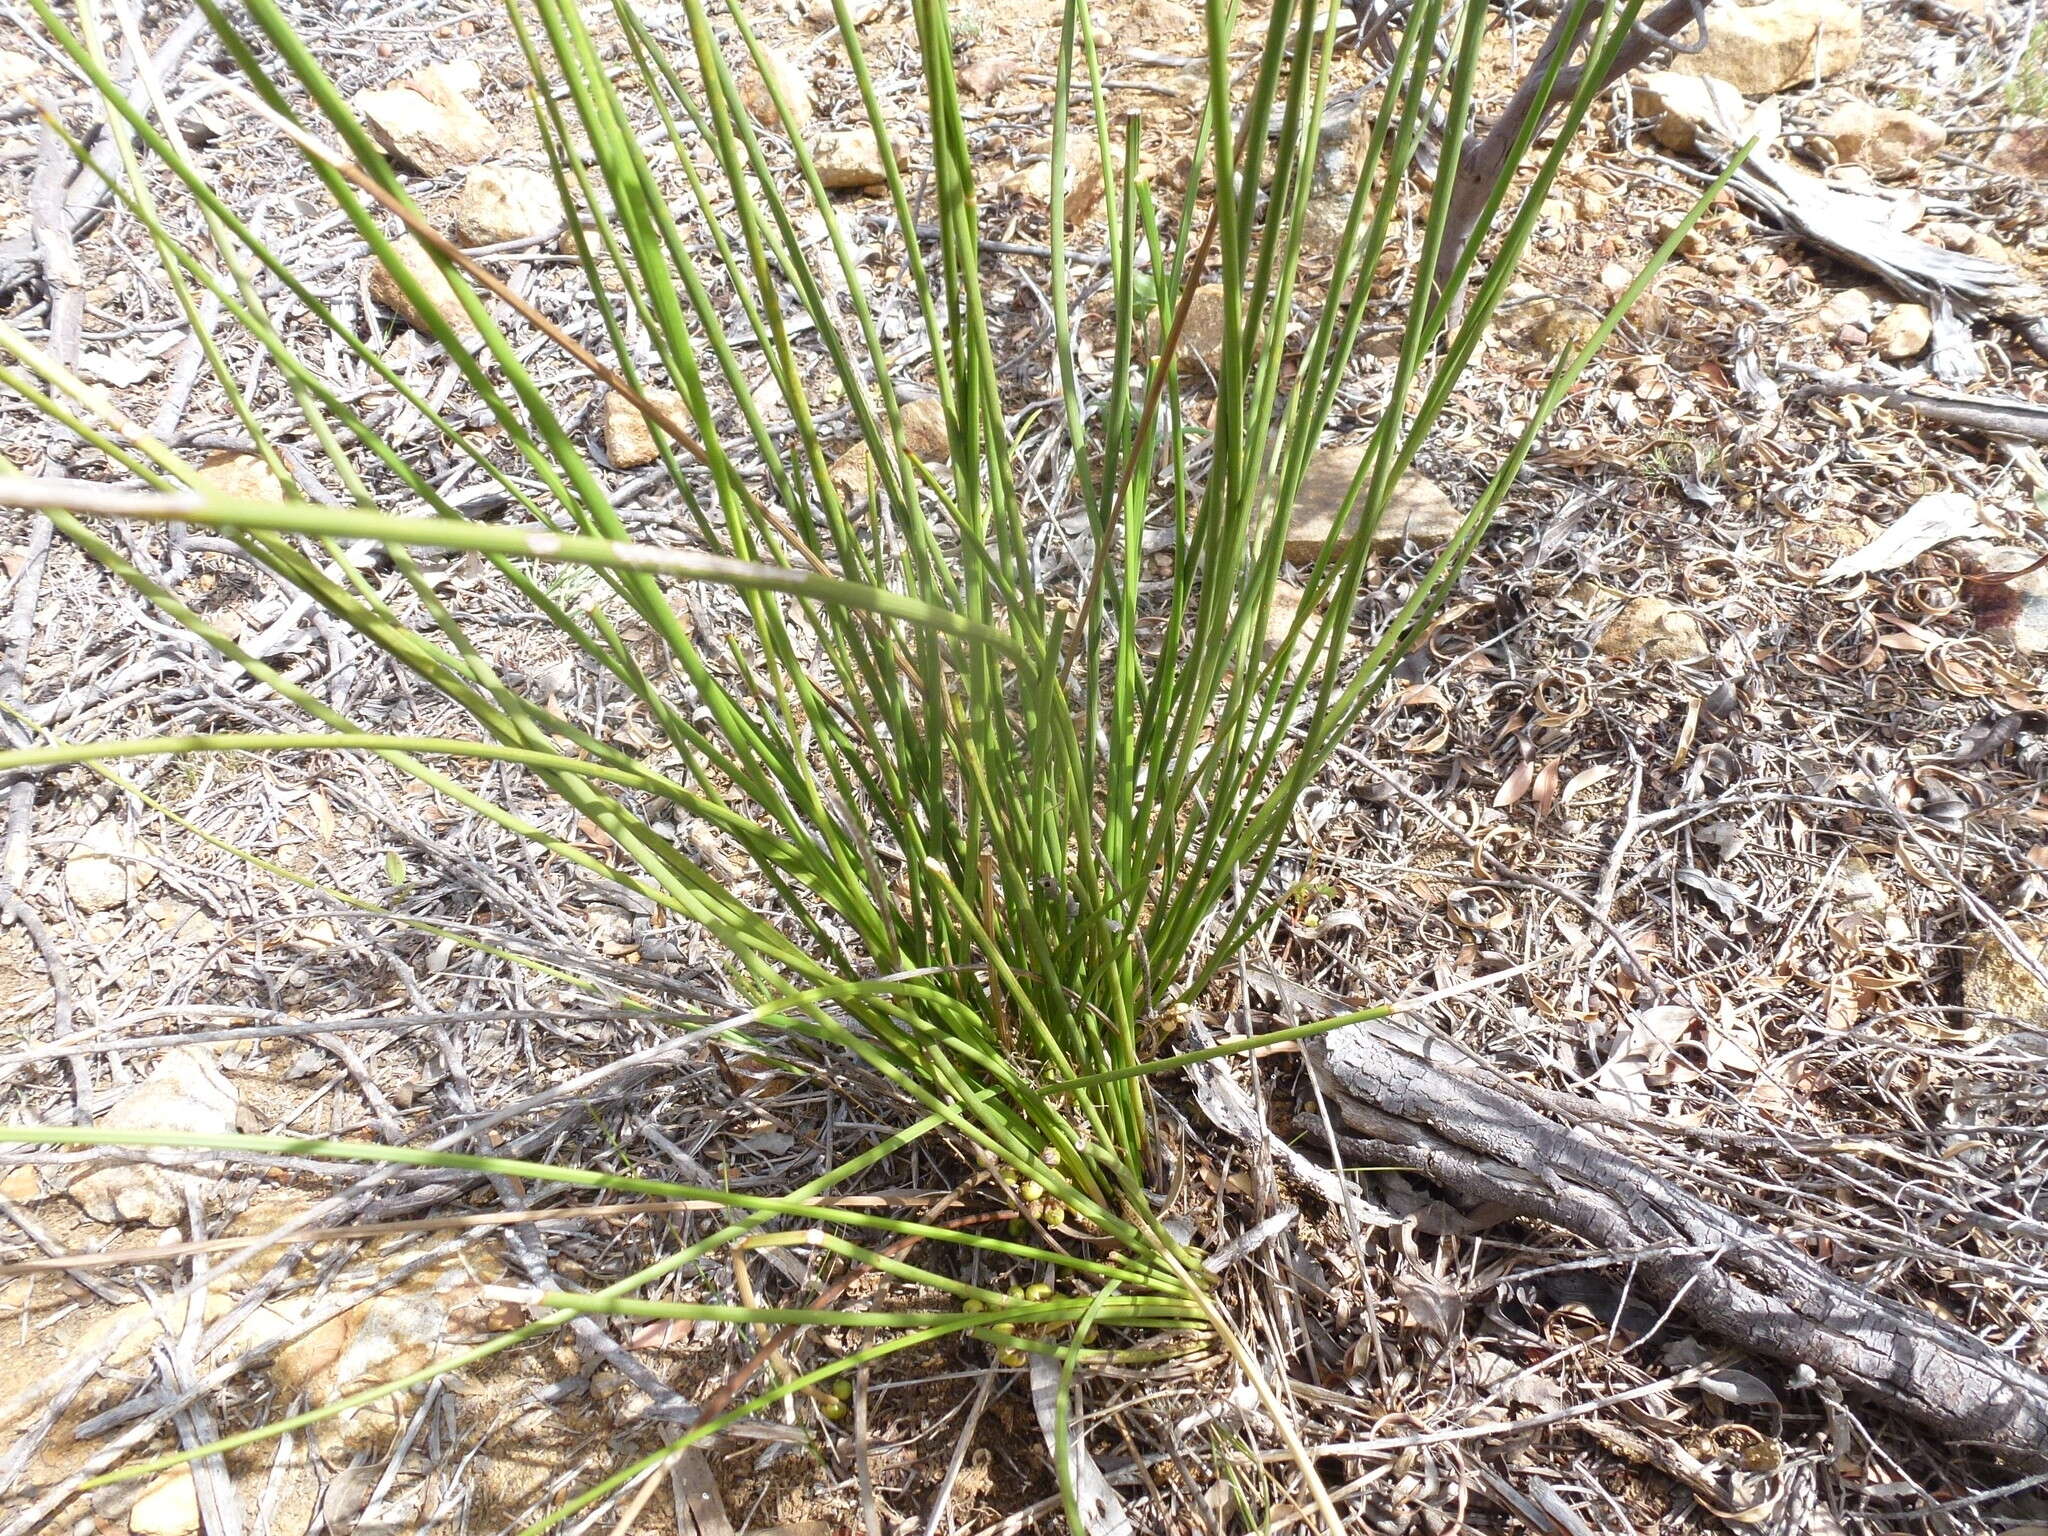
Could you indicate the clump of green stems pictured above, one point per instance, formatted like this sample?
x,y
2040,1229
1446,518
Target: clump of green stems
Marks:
x,y
1010,822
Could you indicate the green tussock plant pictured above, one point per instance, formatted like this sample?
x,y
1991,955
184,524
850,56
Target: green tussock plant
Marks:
x,y
2027,90
1011,816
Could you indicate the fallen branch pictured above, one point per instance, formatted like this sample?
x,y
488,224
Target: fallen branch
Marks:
x,y
1417,1103
1486,159
1993,415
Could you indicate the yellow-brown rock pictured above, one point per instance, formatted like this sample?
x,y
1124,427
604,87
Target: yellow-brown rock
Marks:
x,y
440,293
1760,49
243,476
1418,512
1997,987
427,124
169,1506
789,79
502,203
628,436
851,158
1653,629
1904,333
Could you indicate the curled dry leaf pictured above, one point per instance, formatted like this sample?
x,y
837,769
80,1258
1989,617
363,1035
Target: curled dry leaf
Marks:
x,y
665,1333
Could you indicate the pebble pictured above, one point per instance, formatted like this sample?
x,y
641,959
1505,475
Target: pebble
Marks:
x,y
1904,333
440,293
169,1506
628,439
102,872
501,203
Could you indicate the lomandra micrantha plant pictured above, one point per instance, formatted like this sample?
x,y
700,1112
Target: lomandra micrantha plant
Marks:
x,y
1012,810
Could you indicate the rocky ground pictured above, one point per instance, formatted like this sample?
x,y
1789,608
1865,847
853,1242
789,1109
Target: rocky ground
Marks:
x,y
1735,735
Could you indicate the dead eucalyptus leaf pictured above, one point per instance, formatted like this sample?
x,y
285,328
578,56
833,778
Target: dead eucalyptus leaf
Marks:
x,y
1929,521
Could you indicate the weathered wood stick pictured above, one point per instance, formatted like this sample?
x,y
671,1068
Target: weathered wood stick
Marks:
x,y
1417,1104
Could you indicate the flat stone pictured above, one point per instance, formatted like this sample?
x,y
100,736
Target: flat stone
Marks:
x,y
169,1506
1201,334
385,289
102,872
501,203
1760,49
1996,984
244,476
924,429
628,437
1653,629
427,124
1889,142
790,80
851,158
1904,333
1418,511
185,1092
1849,306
